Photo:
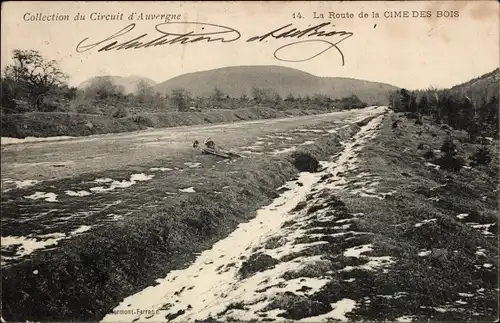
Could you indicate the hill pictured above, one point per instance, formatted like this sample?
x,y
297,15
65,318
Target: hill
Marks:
x,y
129,82
237,80
486,85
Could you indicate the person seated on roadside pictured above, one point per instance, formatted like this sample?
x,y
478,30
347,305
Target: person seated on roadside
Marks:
x,y
209,143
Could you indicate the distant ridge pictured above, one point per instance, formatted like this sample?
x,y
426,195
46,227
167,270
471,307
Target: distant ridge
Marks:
x,y
237,80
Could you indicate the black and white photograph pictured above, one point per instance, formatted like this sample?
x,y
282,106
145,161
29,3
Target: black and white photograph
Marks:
x,y
249,161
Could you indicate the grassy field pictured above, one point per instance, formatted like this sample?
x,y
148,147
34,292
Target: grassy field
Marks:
x,y
47,124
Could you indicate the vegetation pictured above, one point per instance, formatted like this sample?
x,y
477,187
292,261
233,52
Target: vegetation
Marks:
x,y
33,84
472,106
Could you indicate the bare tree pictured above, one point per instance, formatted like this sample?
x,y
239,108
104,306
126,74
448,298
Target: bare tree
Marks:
x,y
34,75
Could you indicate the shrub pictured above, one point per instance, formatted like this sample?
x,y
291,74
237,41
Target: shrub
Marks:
x,y
481,157
429,155
120,112
450,162
449,147
305,162
85,108
143,120
420,146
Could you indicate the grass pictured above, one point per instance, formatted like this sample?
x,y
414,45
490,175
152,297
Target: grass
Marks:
x,y
421,286
47,124
436,270
87,276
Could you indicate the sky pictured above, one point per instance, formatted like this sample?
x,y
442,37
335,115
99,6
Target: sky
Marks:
x,y
406,52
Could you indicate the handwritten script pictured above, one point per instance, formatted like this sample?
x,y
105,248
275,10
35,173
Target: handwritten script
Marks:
x,y
308,43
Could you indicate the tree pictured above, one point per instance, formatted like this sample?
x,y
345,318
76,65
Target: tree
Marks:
x,y
244,98
217,95
145,92
275,98
103,89
33,76
423,104
259,95
181,99
289,98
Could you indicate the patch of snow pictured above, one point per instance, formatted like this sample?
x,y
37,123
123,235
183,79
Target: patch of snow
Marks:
x,y
29,244
284,150
49,197
487,265
103,180
308,142
424,253
406,318
21,184
188,190
192,165
425,222
141,177
113,184
436,167
462,215
358,250
77,193
81,229
340,309
161,169
465,294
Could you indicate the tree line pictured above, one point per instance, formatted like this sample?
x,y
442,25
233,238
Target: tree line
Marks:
x,y
33,84
476,113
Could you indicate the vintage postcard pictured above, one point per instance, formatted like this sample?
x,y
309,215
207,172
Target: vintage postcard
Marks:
x,y
249,161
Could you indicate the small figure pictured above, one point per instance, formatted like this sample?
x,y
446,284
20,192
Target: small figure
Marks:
x,y
196,143
209,143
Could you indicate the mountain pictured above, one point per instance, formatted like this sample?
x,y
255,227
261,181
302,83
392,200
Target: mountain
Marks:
x,y
129,82
237,80
486,85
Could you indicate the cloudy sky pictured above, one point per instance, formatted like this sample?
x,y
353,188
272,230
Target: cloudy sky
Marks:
x,y
407,52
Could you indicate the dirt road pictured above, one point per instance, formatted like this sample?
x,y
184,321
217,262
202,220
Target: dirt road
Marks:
x,y
71,157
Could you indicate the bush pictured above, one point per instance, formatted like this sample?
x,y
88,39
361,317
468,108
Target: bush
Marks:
x,y
305,162
421,146
143,120
85,108
120,112
481,157
450,162
429,155
449,147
